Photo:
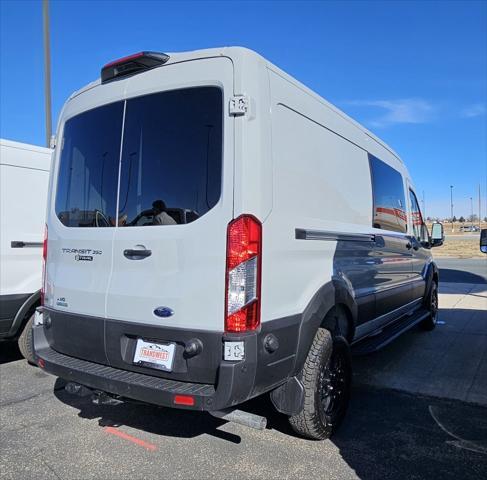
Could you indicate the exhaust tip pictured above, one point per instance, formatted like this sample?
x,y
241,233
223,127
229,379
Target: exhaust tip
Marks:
x,y
243,418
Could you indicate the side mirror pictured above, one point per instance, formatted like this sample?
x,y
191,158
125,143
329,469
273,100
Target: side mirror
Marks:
x,y
437,235
483,240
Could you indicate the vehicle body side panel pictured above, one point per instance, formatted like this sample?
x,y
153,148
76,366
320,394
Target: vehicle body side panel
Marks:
x,y
22,215
24,178
312,189
392,282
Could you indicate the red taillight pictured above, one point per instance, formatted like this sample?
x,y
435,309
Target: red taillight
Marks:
x,y
243,272
44,261
187,400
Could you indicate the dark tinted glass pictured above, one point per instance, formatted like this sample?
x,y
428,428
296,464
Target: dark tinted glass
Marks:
x,y
388,197
416,218
88,172
172,157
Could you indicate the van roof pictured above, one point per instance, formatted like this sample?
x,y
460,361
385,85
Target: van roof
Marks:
x,y
24,146
238,56
24,158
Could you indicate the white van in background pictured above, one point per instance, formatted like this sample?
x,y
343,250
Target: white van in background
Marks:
x,y
216,231
24,178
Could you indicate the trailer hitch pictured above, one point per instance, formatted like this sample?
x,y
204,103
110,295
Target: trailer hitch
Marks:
x,y
97,396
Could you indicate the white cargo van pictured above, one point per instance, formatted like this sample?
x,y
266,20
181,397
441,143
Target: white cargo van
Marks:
x,y
216,231
24,178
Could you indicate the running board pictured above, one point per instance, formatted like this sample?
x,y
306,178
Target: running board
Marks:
x,y
372,343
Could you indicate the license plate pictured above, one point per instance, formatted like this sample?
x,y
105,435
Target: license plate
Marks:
x,y
234,351
154,355
38,318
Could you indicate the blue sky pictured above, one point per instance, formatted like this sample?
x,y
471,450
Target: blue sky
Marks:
x,y
413,72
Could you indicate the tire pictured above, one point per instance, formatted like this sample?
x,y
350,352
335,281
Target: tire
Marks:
x,y
431,304
326,377
25,341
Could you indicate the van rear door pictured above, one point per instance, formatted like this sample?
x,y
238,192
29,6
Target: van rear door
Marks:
x,y
80,230
175,202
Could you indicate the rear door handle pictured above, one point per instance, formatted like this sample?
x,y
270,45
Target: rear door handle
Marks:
x,y
133,254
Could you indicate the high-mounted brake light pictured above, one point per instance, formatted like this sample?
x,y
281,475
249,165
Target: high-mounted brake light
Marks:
x,y
132,64
44,261
243,274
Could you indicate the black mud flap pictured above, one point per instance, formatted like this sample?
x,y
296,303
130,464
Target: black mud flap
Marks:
x,y
289,397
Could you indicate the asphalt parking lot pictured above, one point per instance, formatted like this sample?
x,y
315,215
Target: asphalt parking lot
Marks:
x,y
464,270
418,410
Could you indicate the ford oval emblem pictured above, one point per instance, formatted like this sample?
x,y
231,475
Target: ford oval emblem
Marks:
x,y
164,312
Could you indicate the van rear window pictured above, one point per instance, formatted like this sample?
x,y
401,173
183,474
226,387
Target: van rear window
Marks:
x,y
86,194
171,161
172,157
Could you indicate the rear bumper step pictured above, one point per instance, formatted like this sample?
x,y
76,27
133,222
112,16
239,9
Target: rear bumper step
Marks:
x,y
101,359
125,384
236,380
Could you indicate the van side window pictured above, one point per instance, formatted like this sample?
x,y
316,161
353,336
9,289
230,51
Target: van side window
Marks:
x,y
86,194
389,206
419,230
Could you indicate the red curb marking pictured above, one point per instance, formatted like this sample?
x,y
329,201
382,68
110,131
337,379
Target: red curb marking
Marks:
x,y
130,438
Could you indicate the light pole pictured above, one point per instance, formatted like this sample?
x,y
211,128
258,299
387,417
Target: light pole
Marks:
x,y
451,206
47,70
480,210
471,210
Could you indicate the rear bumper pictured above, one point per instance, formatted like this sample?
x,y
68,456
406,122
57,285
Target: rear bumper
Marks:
x,y
236,382
136,386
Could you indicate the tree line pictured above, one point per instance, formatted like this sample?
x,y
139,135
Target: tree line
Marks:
x,y
470,219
